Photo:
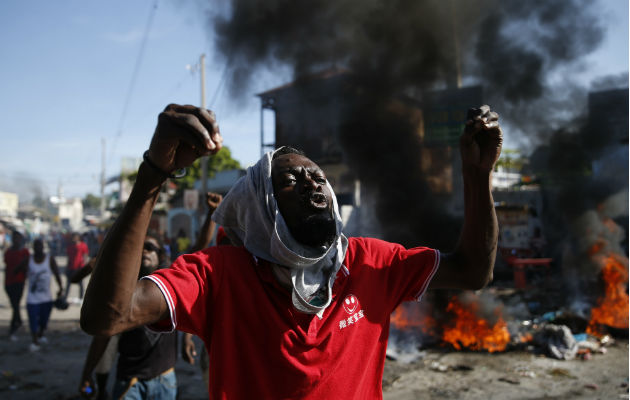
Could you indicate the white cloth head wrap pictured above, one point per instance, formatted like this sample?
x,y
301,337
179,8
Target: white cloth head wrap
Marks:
x,y
250,216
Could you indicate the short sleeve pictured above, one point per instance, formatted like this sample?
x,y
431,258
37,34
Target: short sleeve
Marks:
x,y
189,286
413,270
405,272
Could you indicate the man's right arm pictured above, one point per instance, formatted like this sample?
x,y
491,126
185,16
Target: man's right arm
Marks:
x,y
115,300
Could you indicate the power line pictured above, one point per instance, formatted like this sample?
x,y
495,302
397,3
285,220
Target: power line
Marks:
x,y
134,77
219,85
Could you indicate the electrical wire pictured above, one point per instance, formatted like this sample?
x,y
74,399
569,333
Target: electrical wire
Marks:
x,y
219,85
134,77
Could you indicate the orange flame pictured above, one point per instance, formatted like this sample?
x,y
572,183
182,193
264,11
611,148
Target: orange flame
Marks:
x,y
526,338
612,307
407,317
474,333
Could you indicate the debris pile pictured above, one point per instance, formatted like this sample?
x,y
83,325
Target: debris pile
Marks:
x,y
497,321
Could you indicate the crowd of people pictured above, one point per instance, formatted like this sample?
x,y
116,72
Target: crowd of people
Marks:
x,y
145,360
34,270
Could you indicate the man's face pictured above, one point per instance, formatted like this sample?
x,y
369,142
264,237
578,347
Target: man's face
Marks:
x,y
303,199
150,256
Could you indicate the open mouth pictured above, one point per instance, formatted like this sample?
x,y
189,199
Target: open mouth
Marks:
x,y
317,200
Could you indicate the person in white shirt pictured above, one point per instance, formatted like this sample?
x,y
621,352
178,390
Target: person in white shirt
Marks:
x,y
39,300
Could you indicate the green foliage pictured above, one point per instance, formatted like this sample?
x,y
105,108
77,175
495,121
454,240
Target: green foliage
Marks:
x,y
91,202
511,160
222,161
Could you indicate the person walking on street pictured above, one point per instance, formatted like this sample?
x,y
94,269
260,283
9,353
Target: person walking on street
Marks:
x,y
77,254
39,301
14,279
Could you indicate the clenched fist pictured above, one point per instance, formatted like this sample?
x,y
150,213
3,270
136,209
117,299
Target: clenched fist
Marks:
x,y
213,200
183,134
481,142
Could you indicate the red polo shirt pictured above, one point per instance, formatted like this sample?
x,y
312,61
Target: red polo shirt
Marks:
x,y
261,347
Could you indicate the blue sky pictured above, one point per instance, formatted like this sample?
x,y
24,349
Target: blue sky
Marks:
x,y
66,73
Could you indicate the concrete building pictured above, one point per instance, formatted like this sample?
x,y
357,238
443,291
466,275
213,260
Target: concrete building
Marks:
x,y
71,213
8,204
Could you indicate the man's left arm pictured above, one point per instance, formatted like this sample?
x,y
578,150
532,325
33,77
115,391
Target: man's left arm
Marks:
x,y
470,266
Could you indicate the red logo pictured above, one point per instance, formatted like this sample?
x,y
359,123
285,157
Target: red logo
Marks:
x,y
350,303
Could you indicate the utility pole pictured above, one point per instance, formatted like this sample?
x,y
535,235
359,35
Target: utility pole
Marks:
x,y
102,207
204,160
456,47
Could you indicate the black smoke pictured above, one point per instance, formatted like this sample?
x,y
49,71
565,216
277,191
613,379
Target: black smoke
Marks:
x,y
519,51
510,46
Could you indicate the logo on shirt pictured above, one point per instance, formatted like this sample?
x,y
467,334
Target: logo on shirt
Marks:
x,y
352,307
350,303
351,320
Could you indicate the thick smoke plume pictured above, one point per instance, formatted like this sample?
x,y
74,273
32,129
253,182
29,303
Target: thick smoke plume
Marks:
x,y
518,51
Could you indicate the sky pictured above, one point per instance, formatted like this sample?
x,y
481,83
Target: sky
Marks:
x,y
77,73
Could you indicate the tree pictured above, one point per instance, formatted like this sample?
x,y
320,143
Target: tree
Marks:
x,y
511,160
222,161
91,202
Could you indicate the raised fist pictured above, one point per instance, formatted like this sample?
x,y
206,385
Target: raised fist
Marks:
x,y
481,142
183,134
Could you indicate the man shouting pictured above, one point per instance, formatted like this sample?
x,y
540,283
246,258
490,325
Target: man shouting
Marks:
x,y
294,309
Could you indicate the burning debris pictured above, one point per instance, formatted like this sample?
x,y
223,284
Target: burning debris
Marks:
x,y
612,307
498,320
494,321
557,341
470,331
469,322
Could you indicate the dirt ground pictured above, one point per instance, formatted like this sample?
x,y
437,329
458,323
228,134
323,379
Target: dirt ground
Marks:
x,y
54,372
510,375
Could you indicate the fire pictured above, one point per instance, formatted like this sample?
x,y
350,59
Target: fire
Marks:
x,y
474,333
612,307
526,338
406,317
